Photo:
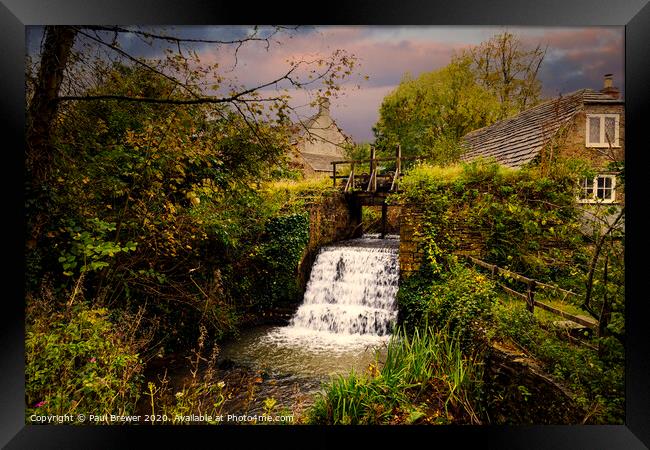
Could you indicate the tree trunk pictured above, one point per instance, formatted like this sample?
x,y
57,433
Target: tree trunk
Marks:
x,y
592,266
42,109
42,113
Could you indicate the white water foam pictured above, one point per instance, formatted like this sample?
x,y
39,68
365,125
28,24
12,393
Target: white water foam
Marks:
x,y
350,297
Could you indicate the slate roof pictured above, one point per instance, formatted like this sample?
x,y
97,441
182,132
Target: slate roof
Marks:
x,y
516,141
320,162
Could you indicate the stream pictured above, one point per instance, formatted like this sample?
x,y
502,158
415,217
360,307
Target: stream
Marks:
x,y
343,324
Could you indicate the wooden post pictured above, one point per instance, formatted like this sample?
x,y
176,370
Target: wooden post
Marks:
x,y
350,184
398,167
384,213
530,296
334,173
372,184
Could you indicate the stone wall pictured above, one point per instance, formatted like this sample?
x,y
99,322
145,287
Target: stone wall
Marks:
x,y
411,251
331,219
468,241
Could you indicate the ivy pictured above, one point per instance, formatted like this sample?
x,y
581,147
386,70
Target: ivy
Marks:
x,y
518,216
284,242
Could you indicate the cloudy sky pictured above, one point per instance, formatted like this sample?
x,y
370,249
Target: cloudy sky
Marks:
x,y
576,58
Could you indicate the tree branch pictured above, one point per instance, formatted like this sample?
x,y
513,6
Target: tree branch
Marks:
x,y
172,101
252,38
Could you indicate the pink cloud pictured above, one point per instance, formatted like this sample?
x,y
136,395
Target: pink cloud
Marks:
x,y
384,62
576,58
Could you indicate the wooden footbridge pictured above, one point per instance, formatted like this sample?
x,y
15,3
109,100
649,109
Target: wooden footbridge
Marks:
x,y
373,188
375,183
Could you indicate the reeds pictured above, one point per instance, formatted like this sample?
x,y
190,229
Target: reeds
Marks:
x,y
425,377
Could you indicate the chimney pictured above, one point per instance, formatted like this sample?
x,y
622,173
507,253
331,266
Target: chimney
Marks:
x,y
608,88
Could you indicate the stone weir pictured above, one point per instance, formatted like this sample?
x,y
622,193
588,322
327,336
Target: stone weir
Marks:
x,y
352,288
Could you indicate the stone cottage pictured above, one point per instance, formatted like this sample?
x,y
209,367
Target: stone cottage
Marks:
x,y
587,124
317,142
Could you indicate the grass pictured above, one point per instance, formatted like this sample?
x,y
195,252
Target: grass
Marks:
x,y
425,378
297,186
424,174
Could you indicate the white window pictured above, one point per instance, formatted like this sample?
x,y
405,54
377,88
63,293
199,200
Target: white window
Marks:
x,y
600,189
602,129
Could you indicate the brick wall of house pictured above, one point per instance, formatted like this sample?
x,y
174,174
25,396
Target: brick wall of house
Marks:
x,y
574,142
571,143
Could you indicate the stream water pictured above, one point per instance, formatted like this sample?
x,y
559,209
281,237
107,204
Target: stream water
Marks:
x,y
343,324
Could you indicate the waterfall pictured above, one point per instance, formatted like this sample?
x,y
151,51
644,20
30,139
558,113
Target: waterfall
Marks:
x,y
352,288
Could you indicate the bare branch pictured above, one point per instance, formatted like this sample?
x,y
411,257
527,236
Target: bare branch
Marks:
x,y
174,39
136,60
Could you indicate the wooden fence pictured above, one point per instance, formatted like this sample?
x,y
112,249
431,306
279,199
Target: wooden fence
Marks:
x,y
529,295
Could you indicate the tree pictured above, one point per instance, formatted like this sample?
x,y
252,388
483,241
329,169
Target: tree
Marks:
x,y
75,60
506,68
430,114
143,173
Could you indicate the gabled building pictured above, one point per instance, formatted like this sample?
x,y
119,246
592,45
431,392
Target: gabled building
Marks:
x,y
587,124
319,141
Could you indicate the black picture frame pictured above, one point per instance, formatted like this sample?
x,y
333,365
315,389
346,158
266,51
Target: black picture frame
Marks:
x,y
634,15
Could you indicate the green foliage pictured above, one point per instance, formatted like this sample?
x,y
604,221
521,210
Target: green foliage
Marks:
x,y
529,223
151,201
425,378
280,252
89,249
78,361
523,220
596,378
430,114
459,300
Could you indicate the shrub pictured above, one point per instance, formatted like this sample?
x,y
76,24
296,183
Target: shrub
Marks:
x,y
460,300
77,361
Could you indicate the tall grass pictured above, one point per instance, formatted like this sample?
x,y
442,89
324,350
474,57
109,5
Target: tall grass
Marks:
x,y
425,378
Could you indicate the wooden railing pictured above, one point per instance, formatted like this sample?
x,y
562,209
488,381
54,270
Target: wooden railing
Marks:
x,y
370,183
529,295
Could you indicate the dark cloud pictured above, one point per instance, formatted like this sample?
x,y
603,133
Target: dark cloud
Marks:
x,y
577,57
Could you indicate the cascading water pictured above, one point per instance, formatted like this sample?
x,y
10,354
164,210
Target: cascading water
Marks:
x,y
343,324
347,314
352,289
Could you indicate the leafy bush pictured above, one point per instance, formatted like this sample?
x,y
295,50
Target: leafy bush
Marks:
x,y
77,361
460,300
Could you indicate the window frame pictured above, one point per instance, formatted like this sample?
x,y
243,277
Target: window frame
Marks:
x,y
603,141
594,189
